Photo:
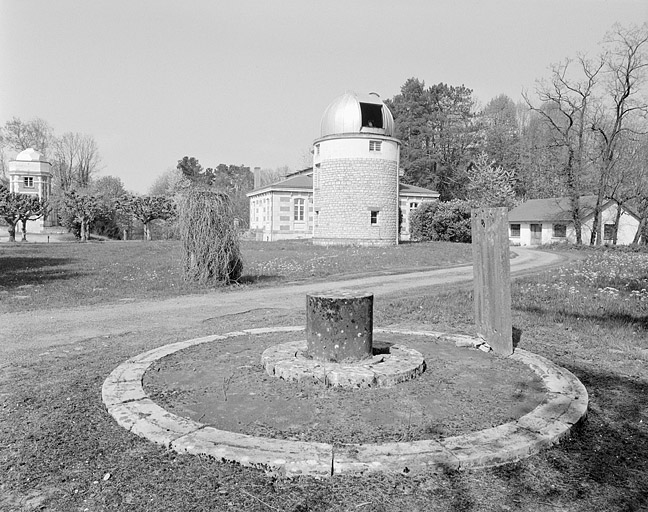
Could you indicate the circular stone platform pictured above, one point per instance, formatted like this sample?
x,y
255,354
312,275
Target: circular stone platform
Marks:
x,y
564,406
388,367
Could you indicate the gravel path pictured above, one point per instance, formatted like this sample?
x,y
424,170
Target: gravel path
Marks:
x,y
46,328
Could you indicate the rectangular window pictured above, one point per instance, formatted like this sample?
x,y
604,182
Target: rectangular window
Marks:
x,y
374,145
608,232
317,149
29,182
374,217
559,230
413,206
515,231
299,209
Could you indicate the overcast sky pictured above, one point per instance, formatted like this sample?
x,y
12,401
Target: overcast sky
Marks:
x,y
246,82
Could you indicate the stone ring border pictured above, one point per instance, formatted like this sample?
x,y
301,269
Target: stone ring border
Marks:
x,y
564,407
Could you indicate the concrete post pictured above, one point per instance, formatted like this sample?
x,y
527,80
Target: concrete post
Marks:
x,y
492,278
339,326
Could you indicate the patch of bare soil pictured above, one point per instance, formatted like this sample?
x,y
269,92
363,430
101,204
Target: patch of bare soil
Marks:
x,y
223,384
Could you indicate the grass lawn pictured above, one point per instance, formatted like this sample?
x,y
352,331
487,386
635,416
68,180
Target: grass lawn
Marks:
x,y
60,450
36,276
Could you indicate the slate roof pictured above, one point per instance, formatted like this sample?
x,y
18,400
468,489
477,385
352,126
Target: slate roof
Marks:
x,y
298,182
554,209
413,189
305,182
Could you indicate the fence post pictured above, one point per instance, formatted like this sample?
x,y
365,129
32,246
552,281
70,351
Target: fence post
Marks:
x,y
492,278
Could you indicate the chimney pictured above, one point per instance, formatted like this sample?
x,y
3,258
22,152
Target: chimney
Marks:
x,y
257,177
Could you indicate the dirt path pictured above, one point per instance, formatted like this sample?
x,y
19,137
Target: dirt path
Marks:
x,y
46,328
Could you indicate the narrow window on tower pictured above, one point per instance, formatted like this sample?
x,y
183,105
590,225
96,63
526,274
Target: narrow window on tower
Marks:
x,y
374,217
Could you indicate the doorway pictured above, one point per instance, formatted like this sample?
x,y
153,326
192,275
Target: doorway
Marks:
x,y
536,234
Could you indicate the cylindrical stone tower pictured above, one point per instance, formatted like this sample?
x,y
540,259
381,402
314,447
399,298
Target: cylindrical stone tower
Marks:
x,y
355,174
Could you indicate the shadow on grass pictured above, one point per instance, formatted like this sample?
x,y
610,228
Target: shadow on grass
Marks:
x,y
603,466
517,336
247,279
610,318
20,270
73,442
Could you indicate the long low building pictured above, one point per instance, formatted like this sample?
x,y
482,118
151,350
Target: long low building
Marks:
x,y
284,210
545,221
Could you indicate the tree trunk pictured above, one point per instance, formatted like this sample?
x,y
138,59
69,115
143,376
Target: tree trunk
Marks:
x,y
640,228
12,232
84,230
574,196
125,234
147,232
617,219
596,238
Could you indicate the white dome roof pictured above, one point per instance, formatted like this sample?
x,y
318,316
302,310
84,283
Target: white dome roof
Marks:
x,y
354,113
29,155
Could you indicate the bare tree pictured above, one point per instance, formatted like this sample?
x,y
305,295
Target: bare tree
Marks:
x,y
269,176
565,108
18,135
79,210
625,65
76,158
146,209
88,160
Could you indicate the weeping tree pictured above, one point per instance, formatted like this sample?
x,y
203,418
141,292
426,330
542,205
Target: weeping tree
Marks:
x,y
210,238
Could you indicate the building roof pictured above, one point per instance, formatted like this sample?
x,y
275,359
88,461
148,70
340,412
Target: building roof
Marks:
x,y
406,189
554,209
297,182
304,182
308,170
357,113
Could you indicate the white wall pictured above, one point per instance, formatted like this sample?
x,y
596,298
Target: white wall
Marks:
x,y
627,228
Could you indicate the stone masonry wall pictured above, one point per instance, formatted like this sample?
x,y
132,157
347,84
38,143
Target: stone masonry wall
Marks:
x,y
349,189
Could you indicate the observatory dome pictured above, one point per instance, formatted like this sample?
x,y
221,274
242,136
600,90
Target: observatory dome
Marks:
x,y
357,113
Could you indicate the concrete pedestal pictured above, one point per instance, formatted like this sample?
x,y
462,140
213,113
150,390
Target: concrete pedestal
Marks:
x,y
339,326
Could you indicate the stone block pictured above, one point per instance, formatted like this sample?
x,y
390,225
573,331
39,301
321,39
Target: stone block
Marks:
x,y
293,458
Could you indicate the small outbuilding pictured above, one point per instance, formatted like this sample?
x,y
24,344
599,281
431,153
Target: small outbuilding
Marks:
x,y
545,221
31,174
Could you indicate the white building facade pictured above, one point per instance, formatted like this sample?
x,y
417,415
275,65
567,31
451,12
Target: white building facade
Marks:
x,y
283,210
546,221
